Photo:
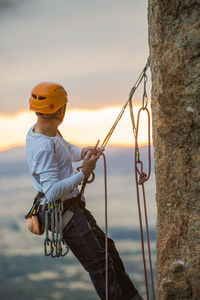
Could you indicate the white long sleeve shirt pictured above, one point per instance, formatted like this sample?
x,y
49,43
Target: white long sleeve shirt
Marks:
x,y
50,165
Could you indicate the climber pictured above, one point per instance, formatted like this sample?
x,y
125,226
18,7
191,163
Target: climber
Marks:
x,y
49,159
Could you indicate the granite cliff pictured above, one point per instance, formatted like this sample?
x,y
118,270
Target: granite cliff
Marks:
x,y
174,41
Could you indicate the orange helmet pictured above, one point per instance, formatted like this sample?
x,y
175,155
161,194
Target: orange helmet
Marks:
x,y
47,98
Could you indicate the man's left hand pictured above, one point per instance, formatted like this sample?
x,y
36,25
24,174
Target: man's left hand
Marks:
x,y
86,149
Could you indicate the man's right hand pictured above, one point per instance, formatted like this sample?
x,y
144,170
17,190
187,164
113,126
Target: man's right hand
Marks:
x,y
89,162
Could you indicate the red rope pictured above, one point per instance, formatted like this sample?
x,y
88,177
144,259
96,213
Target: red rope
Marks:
x,y
141,232
141,177
106,223
106,208
106,217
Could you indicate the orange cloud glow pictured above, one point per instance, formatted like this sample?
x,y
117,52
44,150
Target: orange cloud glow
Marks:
x,y
80,127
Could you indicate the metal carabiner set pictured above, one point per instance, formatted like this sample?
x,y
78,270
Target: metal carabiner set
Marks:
x,y
54,246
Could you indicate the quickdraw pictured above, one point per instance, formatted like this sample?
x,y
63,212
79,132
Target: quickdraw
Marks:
x,y
54,246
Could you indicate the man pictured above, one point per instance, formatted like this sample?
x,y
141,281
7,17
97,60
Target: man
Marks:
x,y
50,159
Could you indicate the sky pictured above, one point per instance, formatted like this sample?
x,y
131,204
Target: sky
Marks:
x,y
95,49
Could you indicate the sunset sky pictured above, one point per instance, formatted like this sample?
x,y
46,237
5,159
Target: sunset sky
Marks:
x,y
95,49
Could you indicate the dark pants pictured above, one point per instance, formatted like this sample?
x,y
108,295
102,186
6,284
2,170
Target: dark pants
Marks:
x,y
87,241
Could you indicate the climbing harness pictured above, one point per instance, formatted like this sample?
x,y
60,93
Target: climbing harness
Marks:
x,y
53,212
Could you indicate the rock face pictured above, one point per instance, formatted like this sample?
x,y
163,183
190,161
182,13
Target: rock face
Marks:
x,y
174,41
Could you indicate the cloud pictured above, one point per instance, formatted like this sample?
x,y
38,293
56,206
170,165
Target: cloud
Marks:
x,y
81,127
43,275
96,49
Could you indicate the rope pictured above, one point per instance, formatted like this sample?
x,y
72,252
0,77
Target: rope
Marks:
x,y
137,83
143,177
106,222
106,215
140,176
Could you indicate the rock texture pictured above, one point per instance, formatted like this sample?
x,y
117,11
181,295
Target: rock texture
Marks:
x,y
174,41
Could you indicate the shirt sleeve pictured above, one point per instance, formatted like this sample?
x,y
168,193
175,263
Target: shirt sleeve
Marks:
x,y
45,167
75,151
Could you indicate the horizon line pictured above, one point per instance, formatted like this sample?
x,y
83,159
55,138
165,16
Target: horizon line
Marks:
x,y
10,147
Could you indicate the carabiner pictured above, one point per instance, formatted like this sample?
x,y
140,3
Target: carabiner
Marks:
x,y
53,247
149,142
66,251
92,179
58,249
145,93
47,243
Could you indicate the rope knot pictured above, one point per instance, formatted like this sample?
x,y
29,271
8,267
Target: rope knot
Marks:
x,y
142,178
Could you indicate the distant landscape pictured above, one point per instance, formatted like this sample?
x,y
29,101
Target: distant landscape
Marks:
x,y
25,273
120,160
